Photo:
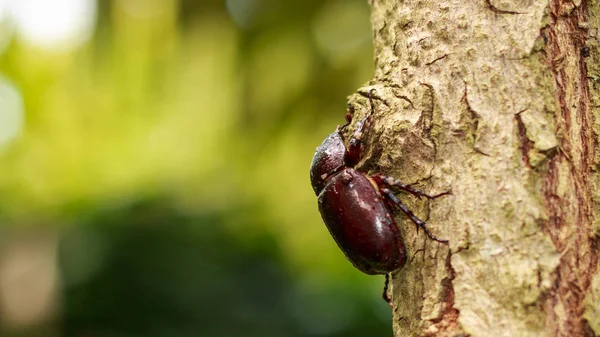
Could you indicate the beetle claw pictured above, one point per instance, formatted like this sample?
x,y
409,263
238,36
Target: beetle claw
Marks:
x,y
440,194
435,238
418,222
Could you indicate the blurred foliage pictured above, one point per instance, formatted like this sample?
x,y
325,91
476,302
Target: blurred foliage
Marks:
x,y
187,276
216,107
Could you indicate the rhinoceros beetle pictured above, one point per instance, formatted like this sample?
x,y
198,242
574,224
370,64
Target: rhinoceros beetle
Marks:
x,y
356,206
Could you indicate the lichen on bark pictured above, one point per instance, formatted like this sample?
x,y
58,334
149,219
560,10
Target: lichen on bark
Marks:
x,y
497,102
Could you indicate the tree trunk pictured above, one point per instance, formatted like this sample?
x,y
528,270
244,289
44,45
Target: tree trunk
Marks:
x,y
496,101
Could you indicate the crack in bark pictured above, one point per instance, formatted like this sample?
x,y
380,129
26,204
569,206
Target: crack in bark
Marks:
x,y
437,59
570,211
426,118
499,11
447,322
526,143
406,99
474,122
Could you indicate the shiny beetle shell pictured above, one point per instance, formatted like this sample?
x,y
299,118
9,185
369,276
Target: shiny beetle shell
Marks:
x,y
360,223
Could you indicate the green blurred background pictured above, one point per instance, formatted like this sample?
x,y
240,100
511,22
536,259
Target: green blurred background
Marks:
x,y
154,161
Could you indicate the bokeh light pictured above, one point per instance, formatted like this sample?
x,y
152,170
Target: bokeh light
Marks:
x,y
53,24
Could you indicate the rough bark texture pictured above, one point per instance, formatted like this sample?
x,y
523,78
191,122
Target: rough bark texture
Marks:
x,y
497,101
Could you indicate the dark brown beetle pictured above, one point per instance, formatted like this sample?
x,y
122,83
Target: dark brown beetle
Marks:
x,y
356,207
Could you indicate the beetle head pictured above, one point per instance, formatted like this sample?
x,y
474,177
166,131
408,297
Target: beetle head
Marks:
x,y
329,156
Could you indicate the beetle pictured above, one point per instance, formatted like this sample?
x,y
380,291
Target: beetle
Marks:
x,y
356,207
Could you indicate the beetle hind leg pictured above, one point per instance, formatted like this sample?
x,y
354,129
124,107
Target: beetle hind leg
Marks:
x,y
385,295
420,223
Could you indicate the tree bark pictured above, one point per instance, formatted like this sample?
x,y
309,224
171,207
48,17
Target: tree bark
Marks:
x,y
496,101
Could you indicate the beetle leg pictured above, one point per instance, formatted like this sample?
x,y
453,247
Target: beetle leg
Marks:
x,y
407,188
411,215
385,295
352,156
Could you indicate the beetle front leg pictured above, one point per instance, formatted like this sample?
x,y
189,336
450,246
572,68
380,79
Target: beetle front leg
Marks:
x,y
410,214
389,181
